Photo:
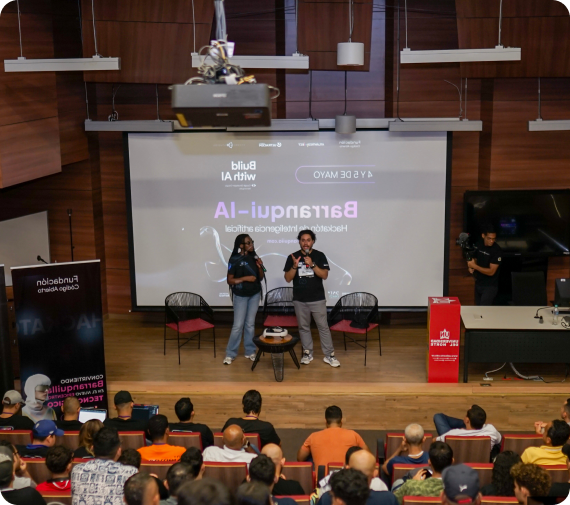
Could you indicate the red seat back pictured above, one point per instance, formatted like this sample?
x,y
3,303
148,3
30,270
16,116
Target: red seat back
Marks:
x,y
302,473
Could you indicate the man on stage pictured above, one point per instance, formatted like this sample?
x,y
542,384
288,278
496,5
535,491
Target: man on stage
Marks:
x,y
485,266
307,268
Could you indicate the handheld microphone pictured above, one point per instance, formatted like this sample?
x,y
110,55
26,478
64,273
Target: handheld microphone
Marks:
x,y
39,258
256,257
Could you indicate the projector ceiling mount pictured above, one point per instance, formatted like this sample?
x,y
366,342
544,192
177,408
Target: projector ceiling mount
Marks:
x,y
97,62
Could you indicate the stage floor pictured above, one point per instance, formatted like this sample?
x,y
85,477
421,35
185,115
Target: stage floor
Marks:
x,y
388,393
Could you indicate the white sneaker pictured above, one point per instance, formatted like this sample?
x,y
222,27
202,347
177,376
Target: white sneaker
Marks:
x,y
307,358
228,360
251,357
332,361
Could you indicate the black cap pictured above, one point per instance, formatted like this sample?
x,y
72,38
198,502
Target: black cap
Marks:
x,y
460,483
123,397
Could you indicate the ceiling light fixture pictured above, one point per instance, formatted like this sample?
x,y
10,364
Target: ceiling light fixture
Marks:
x,y
498,53
539,125
345,124
97,62
350,53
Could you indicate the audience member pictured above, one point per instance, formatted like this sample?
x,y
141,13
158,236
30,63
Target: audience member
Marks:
x,y
70,409
330,444
86,435
349,487
283,486
253,493
460,485
251,423
234,448
184,410
23,477
502,483
556,434
160,450
205,492
24,496
564,415
130,457
193,457
177,475
365,463
412,442
472,425
562,488
11,416
58,461
262,469
43,437
124,421
141,489
426,482
103,479
530,480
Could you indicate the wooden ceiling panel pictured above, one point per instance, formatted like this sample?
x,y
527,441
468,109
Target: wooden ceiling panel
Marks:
x,y
511,8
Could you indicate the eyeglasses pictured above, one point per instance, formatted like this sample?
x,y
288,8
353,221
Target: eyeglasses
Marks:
x,y
248,243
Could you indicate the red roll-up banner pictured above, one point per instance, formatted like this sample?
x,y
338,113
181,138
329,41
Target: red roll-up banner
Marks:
x,y
444,334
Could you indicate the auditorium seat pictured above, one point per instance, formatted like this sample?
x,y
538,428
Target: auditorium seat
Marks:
x,y
361,306
70,439
498,500
485,471
412,500
333,467
253,438
519,442
470,449
401,469
59,497
132,439
188,313
300,499
16,437
37,469
558,473
302,472
392,441
231,474
278,309
158,469
185,439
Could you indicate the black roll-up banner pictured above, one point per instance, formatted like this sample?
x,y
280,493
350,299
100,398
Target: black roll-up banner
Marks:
x,y
60,336
6,371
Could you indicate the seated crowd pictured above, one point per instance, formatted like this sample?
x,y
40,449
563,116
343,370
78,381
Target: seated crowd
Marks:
x,y
100,472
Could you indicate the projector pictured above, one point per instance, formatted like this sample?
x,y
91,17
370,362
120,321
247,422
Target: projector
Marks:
x,y
222,104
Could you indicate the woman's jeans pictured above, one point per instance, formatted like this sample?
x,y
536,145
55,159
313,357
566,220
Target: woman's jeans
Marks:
x,y
245,310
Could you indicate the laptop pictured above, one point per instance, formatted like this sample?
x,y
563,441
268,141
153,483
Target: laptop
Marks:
x,y
144,412
88,414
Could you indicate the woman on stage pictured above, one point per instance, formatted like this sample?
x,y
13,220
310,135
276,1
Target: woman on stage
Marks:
x,y
244,277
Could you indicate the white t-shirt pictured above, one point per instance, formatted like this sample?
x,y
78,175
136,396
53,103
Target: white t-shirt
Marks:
x,y
226,455
488,430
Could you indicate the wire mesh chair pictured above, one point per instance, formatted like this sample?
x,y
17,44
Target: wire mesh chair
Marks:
x,y
187,313
360,306
278,309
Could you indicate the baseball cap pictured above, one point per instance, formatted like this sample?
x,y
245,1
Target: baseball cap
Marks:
x,y
123,397
45,428
12,398
6,462
460,483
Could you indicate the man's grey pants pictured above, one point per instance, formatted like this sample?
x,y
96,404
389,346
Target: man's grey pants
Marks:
x,y
303,311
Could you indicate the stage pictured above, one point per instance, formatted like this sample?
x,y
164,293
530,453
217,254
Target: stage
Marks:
x,y
387,394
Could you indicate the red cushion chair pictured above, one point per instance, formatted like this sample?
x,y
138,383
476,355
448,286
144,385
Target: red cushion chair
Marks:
x,y
278,309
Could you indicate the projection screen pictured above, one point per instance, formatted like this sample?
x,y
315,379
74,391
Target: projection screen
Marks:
x,y
376,201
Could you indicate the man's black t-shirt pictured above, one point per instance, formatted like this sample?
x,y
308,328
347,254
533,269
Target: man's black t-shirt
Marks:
x,y
32,451
286,487
17,422
125,424
24,496
485,257
265,430
307,286
243,266
205,432
69,425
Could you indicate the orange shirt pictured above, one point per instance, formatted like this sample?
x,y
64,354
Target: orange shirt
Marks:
x,y
161,452
330,445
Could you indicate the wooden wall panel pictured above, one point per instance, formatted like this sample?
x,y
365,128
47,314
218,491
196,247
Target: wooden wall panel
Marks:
x,y
28,151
